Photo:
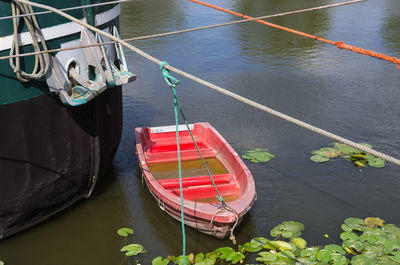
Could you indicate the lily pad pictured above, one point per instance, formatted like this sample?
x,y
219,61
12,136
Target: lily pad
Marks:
x,y
299,242
266,257
225,252
373,222
355,223
132,249
348,236
375,161
258,155
363,260
124,231
235,257
319,158
333,248
288,229
159,261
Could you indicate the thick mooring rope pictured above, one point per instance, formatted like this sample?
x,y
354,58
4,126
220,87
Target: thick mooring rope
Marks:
x,y
224,91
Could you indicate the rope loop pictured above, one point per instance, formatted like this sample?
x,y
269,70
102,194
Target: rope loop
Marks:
x,y
169,79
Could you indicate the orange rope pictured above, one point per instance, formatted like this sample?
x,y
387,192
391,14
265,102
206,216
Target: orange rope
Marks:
x,y
338,44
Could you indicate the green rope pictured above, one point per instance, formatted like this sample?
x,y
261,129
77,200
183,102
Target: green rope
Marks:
x,y
172,82
219,197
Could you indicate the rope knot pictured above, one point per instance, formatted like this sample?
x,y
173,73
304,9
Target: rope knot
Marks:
x,y
169,79
339,44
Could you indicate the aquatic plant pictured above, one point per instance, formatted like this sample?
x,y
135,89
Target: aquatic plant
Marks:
x,y
339,150
258,155
131,250
1,262
367,241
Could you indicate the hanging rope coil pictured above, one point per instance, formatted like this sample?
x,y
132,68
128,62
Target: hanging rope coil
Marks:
x,y
41,60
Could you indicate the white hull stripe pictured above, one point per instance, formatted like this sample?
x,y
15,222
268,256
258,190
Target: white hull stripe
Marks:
x,y
61,30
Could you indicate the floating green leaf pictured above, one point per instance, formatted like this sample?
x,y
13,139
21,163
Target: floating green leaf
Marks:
x,y
258,155
252,246
235,257
205,262
363,260
1,262
339,259
324,256
355,223
288,229
159,261
353,244
266,257
179,260
213,255
124,231
333,248
281,245
132,249
299,242
373,222
310,252
348,236
225,252
319,158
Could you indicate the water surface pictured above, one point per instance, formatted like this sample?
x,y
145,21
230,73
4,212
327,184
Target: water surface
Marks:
x,y
355,96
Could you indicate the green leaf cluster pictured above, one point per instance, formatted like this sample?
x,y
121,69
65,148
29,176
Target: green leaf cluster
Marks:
x,y
258,155
364,241
339,150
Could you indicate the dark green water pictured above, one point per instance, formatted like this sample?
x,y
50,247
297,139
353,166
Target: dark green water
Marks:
x,y
355,96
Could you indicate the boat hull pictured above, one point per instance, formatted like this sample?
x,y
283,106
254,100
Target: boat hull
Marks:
x,y
201,210
51,154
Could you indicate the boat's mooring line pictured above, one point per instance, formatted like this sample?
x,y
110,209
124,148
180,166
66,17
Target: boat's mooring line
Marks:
x,y
184,30
67,9
338,44
224,91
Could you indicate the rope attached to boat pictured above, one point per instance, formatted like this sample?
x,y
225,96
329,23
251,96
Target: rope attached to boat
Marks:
x,y
41,60
172,82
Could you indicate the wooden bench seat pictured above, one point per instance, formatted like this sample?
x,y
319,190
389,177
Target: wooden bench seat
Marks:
x,y
195,181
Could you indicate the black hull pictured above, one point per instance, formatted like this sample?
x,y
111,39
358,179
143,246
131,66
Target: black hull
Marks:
x,y
52,155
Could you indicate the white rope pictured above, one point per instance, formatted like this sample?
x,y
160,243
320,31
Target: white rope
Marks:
x,y
224,91
186,30
68,9
41,60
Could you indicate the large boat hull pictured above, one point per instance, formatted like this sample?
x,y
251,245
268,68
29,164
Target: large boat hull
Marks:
x,y
51,154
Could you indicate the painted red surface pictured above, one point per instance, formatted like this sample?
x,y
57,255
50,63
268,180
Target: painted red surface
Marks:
x,y
159,147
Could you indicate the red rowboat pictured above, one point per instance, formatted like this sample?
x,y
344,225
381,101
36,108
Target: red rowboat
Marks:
x,y
157,152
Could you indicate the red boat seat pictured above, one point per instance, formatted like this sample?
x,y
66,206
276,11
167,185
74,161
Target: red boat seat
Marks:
x,y
195,181
207,191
